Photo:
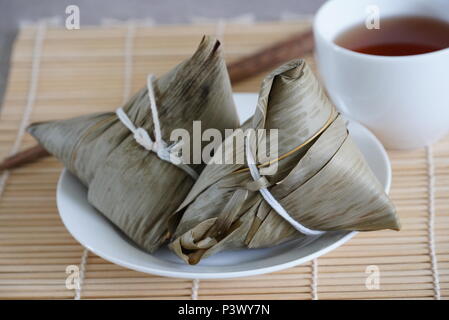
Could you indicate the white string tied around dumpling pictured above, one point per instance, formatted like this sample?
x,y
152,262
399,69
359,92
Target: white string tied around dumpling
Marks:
x,y
142,137
266,194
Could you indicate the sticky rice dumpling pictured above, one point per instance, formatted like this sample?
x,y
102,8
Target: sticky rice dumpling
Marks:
x,y
131,186
322,179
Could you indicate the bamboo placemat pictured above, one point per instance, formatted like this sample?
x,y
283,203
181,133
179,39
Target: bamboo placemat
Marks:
x,y
57,73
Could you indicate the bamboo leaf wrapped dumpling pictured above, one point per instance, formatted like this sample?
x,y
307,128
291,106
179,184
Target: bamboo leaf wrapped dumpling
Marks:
x,y
323,182
131,186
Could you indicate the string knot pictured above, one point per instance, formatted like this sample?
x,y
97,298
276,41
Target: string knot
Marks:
x,y
158,146
163,151
143,138
261,184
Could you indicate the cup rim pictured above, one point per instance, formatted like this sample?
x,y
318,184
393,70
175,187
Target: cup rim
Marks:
x,y
318,32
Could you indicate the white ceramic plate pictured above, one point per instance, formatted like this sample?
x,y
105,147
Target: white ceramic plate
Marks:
x,y
98,235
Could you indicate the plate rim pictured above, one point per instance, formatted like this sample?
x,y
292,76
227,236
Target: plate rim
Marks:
x,y
205,276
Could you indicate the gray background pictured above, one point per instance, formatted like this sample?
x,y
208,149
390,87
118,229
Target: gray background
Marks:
x,y
15,12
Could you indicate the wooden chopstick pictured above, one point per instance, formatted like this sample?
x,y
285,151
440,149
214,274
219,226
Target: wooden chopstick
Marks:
x,y
271,57
28,155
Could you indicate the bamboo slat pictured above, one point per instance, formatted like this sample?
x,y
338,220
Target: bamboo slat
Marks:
x,y
83,71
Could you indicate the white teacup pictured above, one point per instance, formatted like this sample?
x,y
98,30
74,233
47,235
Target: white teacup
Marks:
x,y
403,100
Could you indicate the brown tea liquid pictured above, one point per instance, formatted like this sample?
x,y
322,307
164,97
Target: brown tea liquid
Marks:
x,y
397,36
